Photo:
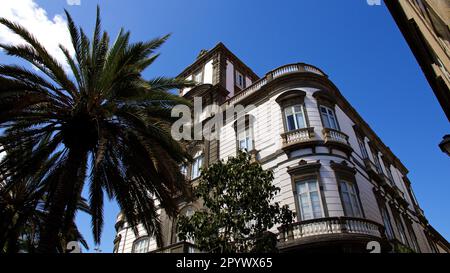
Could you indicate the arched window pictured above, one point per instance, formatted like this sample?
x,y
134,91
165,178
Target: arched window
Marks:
x,y
187,212
141,245
293,109
295,117
326,104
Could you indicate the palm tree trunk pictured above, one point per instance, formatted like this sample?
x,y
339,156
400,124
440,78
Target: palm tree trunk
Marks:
x,y
6,222
49,238
13,241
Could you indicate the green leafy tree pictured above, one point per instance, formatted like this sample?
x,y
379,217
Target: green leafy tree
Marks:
x,y
108,127
239,209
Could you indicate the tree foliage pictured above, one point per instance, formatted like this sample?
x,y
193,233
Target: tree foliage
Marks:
x,y
23,213
102,124
239,209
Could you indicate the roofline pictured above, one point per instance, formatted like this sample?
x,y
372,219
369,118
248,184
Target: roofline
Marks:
x,y
210,54
384,148
439,236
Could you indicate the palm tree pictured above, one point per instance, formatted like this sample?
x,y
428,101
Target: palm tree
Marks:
x,y
23,211
23,218
102,122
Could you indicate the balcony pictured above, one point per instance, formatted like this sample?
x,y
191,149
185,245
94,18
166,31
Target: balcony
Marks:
x,y
373,171
276,73
336,138
181,247
330,229
399,195
297,138
120,221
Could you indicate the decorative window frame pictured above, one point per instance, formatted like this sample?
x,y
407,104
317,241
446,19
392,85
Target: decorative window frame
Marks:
x,y
378,162
399,220
359,134
324,98
249,124
198,154
292,98
200,71
343,171
195,149
145,237
387,169
117,242
382,203
174,230
414,243
303,171
244,85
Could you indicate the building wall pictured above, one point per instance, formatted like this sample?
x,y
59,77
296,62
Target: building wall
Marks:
x,y
208,72
268,127
425,26
128,238
230,78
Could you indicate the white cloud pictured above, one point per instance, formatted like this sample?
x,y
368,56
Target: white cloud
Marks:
x,y
49,31
73,2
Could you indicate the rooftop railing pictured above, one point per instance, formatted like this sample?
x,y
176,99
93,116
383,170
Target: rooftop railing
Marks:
x,y
276,73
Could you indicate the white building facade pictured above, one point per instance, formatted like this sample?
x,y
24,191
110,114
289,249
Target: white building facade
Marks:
x,y
344,184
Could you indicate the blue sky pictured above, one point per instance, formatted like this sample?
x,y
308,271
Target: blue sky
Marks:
x,y
357,45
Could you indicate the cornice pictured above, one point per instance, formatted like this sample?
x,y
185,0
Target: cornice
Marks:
x,y
219,48
331,91
305,167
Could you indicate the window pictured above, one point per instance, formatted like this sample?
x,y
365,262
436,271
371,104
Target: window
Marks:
x,y
401,231
187,212
413,237
387,223
245,139
243,127
362,147
309,199
117,243
141,245
183,170
240,80
432,244
376,160
196,167
350,200
198,77
328,118
389,173
295,117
